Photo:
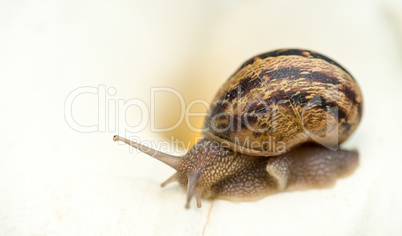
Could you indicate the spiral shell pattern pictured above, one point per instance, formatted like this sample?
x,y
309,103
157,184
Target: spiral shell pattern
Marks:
x,y
278,100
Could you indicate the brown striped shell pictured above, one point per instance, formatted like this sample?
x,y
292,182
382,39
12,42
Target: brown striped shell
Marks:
x,y
278,100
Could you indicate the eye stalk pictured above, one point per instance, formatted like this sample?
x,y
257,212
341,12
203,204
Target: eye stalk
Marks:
x,y
172,161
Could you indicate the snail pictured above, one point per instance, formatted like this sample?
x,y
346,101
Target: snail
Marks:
x,y
275,125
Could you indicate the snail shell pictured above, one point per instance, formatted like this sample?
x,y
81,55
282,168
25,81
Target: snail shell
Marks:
x,y
278,100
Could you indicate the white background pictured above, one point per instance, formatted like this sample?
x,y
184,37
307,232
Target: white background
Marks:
x,y
55,180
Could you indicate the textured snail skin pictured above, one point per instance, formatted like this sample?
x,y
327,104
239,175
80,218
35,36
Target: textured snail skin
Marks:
x,y
223,173
274,126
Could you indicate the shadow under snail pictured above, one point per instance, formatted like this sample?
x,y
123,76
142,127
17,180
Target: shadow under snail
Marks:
x,y
275,125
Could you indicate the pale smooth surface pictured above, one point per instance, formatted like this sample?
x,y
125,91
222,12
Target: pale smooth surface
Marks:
x,y
55,180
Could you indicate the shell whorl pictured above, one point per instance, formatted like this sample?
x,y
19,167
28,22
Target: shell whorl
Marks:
x,y
280,99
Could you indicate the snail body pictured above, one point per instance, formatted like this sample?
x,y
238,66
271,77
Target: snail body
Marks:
x,y
274,126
